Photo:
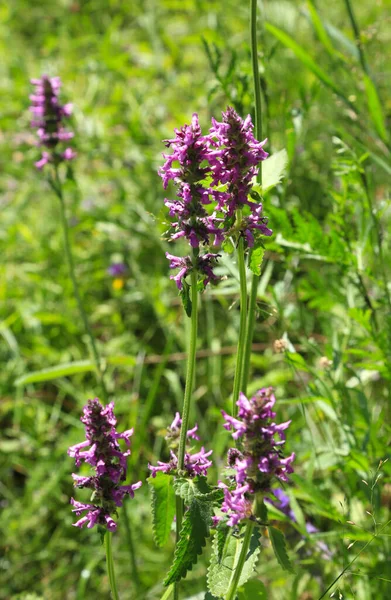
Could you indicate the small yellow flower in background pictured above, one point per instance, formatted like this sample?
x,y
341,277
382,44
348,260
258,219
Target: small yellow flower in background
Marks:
x,y
118,284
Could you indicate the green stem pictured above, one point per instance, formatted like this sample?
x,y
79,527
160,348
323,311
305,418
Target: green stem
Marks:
x,y
129,537
231,594
191,362
57,187
258,134
242,326
110,566
357,36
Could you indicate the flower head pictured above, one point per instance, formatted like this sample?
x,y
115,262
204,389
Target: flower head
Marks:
x,y
203,263
260,458
196,463
48,119
102,452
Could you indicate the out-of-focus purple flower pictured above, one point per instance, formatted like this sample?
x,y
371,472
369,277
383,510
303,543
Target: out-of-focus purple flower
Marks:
x,y
48,119
282,502
117,269
101,451
196,463
259,459
203,263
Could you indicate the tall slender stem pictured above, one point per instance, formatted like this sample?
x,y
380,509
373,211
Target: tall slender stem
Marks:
x,y
191,362
57,187
258,134
242,325
110,566
357,36
231,594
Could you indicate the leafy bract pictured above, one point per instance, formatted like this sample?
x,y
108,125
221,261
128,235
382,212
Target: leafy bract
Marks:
x,y
185,296
277,539
163,506
222,565
192,538
256,258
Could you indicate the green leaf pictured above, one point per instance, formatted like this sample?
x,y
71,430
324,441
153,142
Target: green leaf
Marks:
x,y
375,108
278,542
192,538
163,506
81,366
185,296
222,565
253,590
307,60
321,32
256,258
273,169
228,246
198,488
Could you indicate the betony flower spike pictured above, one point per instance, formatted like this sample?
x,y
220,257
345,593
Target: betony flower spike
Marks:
x,y
102,452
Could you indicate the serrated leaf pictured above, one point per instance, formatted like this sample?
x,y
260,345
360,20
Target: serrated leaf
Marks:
x,y
277,539
185,488
192,538
188,489
185,296
273,169
163,506
256,258
81,366
253,590
222,565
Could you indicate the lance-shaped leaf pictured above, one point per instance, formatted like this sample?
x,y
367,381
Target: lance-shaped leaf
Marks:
x,y
198,487
223,564
278,542
192,538
163,506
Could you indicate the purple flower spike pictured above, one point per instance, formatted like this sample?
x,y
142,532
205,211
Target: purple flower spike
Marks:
x,y
101,451
48,117
204,265
195,464
260,457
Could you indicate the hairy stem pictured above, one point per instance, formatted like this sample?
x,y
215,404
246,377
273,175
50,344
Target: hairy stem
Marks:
x,y
231,594
258,134
191,362
57,187
242,326
110,566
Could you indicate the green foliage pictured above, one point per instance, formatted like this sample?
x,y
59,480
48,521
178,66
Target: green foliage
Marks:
x,y
256,258
253,590
163,506
223,563
278,542
192,539
196,488
63,370
273,170
185,297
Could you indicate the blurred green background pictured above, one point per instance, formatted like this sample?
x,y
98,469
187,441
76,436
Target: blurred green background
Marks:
x,y
134,71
